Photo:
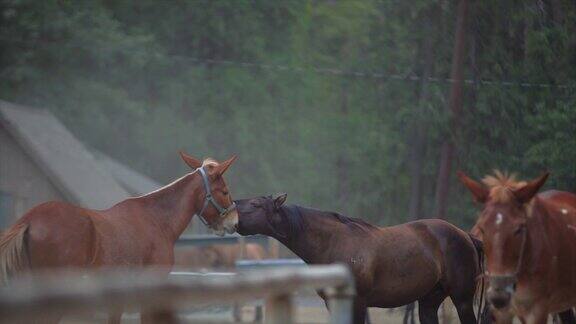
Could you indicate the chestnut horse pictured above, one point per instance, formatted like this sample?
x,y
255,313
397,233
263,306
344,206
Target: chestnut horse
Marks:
x,y
530,247
427,260
219,256
136,232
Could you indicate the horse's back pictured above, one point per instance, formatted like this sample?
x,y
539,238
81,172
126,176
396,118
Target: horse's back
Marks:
x,y
443,232
558,196
59,235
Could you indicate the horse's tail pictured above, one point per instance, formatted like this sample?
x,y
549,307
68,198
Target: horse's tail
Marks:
x,y
482,309
13,251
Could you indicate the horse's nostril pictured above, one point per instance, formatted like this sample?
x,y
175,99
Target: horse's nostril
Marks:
x,y
499,299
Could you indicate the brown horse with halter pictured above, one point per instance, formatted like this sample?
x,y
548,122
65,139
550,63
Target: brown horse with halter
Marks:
x,y
136,232
426,260
530,247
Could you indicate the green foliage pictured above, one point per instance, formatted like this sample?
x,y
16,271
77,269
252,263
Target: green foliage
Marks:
x,y
141,80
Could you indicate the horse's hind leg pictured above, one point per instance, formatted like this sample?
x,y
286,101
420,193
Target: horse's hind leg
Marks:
x,y
158,317
428,306
115,315
360,315
465,309
567,317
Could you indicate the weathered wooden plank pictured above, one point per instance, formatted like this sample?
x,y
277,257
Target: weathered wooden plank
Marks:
x,y
73,292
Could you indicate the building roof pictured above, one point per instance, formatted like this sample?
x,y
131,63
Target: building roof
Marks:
x,y
63,158
134,182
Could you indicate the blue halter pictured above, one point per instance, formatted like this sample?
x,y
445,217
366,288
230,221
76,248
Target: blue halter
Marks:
x,y
209,199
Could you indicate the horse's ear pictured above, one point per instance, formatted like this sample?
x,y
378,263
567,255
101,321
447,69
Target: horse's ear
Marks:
x,y
527,192
280,199
190,161
478,190
222,167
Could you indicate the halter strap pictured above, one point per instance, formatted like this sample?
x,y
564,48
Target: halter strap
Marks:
x,y
209,199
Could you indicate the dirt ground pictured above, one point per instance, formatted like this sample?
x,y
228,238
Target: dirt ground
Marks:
x,y
307,315
306,312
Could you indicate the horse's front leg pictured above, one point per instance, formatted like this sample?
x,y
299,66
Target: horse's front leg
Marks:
x,y
536,315
502,317
159,317
115,315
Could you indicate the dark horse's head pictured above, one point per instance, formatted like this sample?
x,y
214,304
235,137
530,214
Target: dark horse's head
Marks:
x,y
261,215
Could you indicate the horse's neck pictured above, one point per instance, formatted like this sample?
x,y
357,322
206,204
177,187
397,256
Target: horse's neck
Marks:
x,y
173,206
538,227
312,243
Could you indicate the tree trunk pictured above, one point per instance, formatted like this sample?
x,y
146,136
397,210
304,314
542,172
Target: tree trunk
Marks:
x,y
455,106
418,145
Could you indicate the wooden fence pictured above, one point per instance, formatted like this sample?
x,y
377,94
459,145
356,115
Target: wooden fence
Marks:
x,y
29,299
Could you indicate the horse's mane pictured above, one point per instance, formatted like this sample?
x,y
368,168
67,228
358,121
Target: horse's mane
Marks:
x,y
352,222
209,161
294,218
502,186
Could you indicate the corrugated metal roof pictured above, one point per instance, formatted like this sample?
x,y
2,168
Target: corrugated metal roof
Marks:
x,y
68,164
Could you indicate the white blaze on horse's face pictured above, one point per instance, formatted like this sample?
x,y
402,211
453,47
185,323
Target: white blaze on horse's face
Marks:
x,y
499,219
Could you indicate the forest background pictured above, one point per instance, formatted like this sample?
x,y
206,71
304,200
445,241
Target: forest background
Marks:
x,y
341,104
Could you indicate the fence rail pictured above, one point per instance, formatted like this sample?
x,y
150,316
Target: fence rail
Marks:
x,y
33,298
243,265
207,239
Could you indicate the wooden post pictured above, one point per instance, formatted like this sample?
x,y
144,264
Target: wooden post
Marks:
x,y
258,314
237,312
279,310
237,306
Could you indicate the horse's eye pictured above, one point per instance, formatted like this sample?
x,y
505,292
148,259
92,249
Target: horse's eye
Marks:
x,y
255,204
520,229
225,192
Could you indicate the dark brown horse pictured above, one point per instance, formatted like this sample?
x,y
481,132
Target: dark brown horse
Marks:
x,y
425,260
530,247
136,232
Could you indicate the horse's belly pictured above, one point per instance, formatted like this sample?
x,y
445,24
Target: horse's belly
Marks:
x,y
395,294
404,283
123,251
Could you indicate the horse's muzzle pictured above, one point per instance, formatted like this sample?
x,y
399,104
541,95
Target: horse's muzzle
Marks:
x,y
499,298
